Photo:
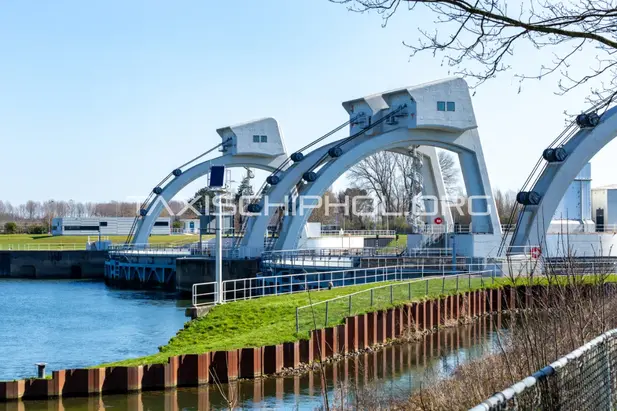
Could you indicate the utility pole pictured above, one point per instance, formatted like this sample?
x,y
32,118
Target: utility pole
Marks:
x,y
218,252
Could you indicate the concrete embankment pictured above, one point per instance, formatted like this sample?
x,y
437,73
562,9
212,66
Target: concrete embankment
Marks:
x,y
52,264
192,270
356,334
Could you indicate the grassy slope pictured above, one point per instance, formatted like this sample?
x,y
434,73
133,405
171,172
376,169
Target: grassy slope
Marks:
x,y
271,320
82,239
400,243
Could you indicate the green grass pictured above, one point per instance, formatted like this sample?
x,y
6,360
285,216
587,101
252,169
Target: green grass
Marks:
x,y
400,243
59,241
271,320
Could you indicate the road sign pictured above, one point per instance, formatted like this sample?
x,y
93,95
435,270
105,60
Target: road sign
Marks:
x,y
438,220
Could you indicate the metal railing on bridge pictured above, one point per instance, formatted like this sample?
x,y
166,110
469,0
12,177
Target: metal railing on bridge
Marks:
x,y
357,233
585,379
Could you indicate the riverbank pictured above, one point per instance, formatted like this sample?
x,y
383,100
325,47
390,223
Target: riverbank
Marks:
x,y
354,334
227,359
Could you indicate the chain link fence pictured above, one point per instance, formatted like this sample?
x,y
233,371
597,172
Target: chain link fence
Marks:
x,y
585,379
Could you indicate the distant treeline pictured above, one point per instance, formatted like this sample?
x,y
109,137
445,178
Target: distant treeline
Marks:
x,y
34,216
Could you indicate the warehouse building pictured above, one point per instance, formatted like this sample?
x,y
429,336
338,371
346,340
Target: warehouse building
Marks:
x,y
104,226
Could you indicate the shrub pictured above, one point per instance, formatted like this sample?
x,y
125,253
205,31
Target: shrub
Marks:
x,y
36,229
10,228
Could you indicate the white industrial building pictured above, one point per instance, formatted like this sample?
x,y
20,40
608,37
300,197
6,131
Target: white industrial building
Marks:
x,y
104,226
574,212
604,200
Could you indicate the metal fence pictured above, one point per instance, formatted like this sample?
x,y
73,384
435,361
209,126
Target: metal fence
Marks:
x,y
585,379
331,312
256,287
359,233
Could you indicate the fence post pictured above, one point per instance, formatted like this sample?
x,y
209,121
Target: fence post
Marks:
x,y
350,305
426,291
443,284
457,283
326,324
469,286
409,291
371,297
391,293
297,321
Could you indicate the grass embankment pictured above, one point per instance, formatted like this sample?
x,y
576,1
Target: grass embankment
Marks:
x,y
400,242
46,239
272,320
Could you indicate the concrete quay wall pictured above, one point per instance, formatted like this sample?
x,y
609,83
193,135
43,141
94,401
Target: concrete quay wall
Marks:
x,y
52,264
357,333
192,270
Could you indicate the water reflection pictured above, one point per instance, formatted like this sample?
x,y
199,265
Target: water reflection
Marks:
x,y
393,373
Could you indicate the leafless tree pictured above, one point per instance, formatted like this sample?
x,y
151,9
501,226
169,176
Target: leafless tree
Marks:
x,y
32,209
505,201
377,175
478,39
450,173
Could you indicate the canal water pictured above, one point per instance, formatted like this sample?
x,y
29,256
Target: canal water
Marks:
x,y
80,323
390,374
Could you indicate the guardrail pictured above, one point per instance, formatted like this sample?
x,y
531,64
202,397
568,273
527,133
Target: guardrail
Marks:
x,y
207,291
332,311
249,288
44,247
359,233
264,286
585,379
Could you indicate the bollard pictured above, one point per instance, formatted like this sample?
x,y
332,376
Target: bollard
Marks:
x,y
40,369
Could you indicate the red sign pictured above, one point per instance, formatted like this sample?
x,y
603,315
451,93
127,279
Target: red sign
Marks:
x,y
536,252
438,220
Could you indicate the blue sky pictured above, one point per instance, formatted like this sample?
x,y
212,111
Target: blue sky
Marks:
x,y
99,100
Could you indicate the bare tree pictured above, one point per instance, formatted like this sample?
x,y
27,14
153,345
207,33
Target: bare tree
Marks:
x,y
32,208
377,174
478,39
450,173
505,201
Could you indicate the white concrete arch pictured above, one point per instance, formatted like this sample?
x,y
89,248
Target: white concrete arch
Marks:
x,y
466,144
145,224
278,195
534,221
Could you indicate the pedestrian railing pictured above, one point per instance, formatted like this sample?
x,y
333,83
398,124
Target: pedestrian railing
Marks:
x,y
330,312
249,288
204,294
358,233
265,286
43,247
585,379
